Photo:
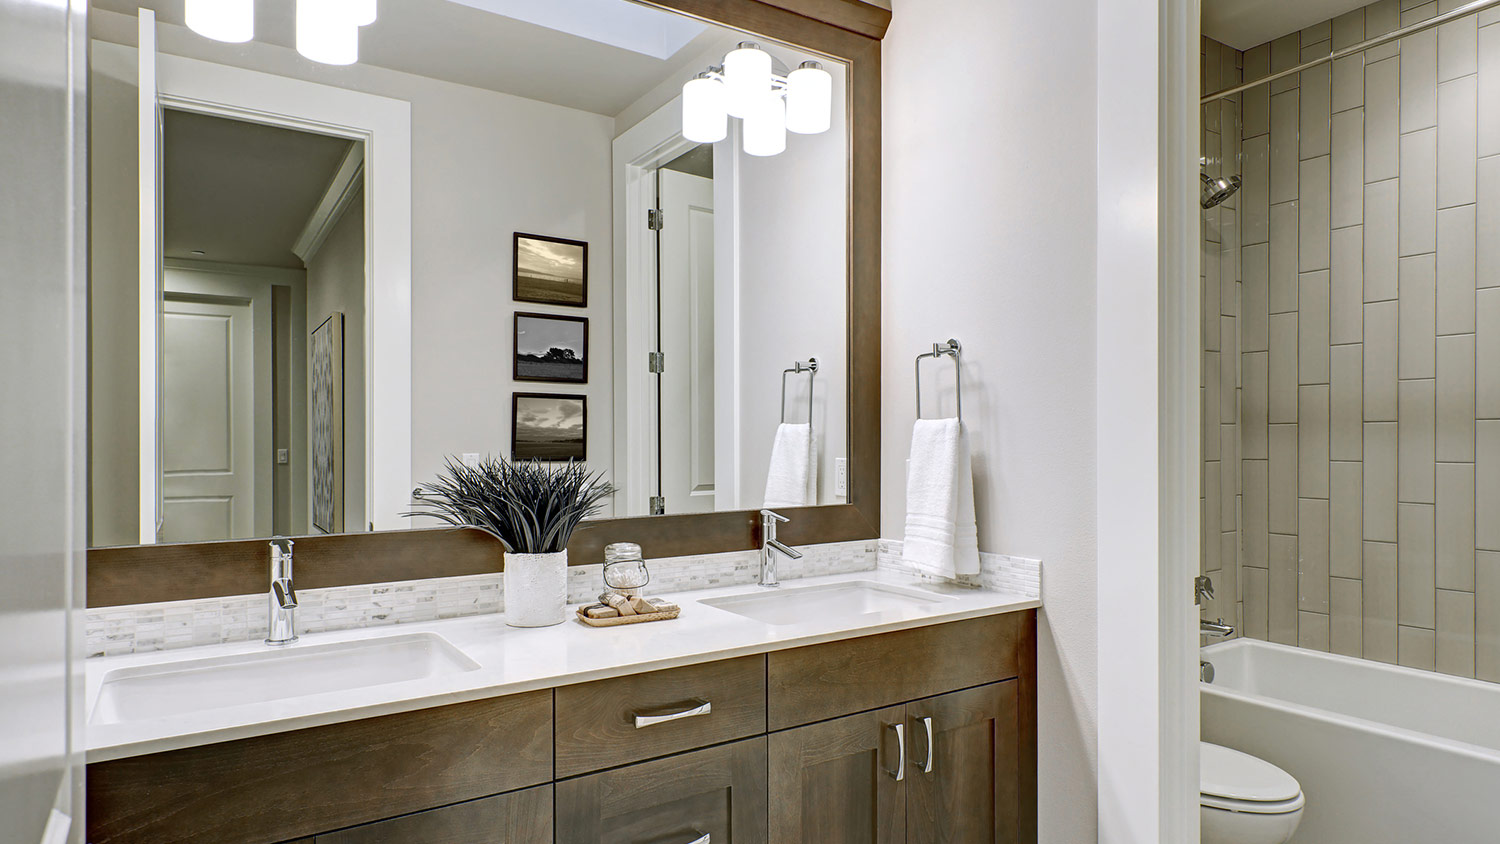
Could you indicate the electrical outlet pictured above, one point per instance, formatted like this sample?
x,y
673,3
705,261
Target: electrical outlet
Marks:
x,y
471,459
283,456
841,477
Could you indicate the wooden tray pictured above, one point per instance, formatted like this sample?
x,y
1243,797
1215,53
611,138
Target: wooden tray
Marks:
x,y
671,611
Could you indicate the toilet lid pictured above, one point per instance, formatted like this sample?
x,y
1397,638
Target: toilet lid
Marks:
x,y
1230,774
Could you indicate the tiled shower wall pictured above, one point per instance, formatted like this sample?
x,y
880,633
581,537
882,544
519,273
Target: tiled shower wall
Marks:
x,y
1369,346
1220,266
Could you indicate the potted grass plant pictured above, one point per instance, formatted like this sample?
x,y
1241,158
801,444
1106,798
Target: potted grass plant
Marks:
x,y
533,508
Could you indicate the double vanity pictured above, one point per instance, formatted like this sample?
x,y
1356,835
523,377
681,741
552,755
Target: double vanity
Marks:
x,y
865,707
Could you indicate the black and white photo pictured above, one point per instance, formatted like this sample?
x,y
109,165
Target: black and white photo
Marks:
x,y
548,426
551,270
551,348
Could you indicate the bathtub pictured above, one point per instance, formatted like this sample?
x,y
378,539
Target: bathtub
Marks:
x,y
1385,755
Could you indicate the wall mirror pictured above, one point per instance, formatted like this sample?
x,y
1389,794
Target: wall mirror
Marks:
x,y
471,228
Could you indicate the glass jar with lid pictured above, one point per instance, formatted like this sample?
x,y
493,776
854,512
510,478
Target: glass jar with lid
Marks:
x,y
625,569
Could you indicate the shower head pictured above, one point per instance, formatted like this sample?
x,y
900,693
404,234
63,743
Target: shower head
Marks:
x,y
1216,191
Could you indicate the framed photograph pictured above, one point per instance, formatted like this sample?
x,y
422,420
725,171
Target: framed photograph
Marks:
x,y
548,426
552,348
551,270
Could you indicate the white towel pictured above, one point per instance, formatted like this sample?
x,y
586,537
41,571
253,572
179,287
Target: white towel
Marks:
x,y
793,477
941,538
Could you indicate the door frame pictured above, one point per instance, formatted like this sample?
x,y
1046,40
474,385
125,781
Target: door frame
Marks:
x,y
384,125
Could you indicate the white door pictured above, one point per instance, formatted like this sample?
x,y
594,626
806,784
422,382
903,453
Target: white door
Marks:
x,y
208,420
686,319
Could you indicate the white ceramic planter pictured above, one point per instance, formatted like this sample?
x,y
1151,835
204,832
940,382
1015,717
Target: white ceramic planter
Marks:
x,y
536,589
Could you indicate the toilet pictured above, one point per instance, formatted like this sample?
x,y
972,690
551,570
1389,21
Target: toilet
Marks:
x,y
1246,800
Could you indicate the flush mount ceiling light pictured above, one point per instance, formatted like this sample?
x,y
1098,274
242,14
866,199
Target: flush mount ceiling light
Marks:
x,y
747,86
327,30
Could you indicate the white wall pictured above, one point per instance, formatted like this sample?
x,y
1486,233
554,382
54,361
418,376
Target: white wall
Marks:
x,y
484,165
989,237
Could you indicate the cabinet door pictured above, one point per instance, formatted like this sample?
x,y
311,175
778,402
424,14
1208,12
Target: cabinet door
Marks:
x,y
963,785
711,796
520,817
840,781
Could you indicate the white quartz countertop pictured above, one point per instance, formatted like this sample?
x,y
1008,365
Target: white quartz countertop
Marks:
x,y
513,660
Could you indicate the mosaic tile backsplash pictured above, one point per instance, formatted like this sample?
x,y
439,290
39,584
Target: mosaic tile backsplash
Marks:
x,y
997,572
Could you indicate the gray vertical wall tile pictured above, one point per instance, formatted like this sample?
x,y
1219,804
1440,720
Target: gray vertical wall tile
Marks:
x,y
1489,16
1255,196
1315,100
1487,349
1284,146
1418,194
1312,631
1312,441
1211,526
1312,328
1256,292
1416,11
1345,617
1346,402
1257,603
1487,257
1455,398
1346,286
1380,481
1347,169
1381,215
1382,119
1419,81
1380,355
1255,501
1210,405
1455,633
1487,484
1489,91
1416,580
1312,546
1348,83
1229,366
1416,647
1416,477
1458,48
1455,526
1487,616
1282,616
1349,29
1418,318
1284,258
1283,479
1286,52
1282,406
1313,215
1253,405
1455,270
1379,596
1312,36
1345,525
1457,156
1256,113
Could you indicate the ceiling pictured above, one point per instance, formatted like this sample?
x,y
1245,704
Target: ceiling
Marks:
x,y
1243,24
456,42
240,193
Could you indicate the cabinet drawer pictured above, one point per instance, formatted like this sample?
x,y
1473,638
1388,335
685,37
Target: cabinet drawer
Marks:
x,y
627,719
520,817
291,785
838,678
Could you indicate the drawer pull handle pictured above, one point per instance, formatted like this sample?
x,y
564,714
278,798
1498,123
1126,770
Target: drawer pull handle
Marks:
x,y
642,721
900,772
927,768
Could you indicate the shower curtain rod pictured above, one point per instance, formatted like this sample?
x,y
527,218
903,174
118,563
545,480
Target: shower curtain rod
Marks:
x,y
1421,26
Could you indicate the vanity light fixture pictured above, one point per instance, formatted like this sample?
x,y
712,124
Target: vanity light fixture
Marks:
x,y
222,20
747,86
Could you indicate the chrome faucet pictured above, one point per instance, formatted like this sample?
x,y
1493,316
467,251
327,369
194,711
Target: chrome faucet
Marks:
x,y
1216,629
770,547
283,597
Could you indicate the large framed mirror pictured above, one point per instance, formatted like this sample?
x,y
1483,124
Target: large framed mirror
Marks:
x,y
491,234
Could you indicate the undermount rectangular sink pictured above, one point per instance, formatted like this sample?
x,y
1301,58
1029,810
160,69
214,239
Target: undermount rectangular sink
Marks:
x,y
798,605
161,691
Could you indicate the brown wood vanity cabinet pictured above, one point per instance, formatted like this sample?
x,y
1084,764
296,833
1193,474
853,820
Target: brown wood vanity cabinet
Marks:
x,y
921,736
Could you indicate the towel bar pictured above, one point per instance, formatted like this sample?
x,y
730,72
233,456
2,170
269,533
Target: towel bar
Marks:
x,y
798,367
952,348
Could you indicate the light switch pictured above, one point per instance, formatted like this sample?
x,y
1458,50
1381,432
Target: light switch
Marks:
x,y
841,477
471,459
283,456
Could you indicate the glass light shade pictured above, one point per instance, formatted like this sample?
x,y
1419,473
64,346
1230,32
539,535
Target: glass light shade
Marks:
x,y
765,125
222,20
326,31
704,119
363,12
747,76
809,100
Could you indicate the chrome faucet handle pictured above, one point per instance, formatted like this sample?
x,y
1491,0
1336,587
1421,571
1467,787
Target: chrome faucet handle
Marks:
x,y
770,516
284,593
1203,587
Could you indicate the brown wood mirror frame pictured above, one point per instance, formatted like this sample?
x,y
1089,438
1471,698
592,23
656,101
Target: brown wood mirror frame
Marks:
x,y
849,30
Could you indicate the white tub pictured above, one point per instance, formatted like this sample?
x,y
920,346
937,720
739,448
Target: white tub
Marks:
x,y
1385,755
